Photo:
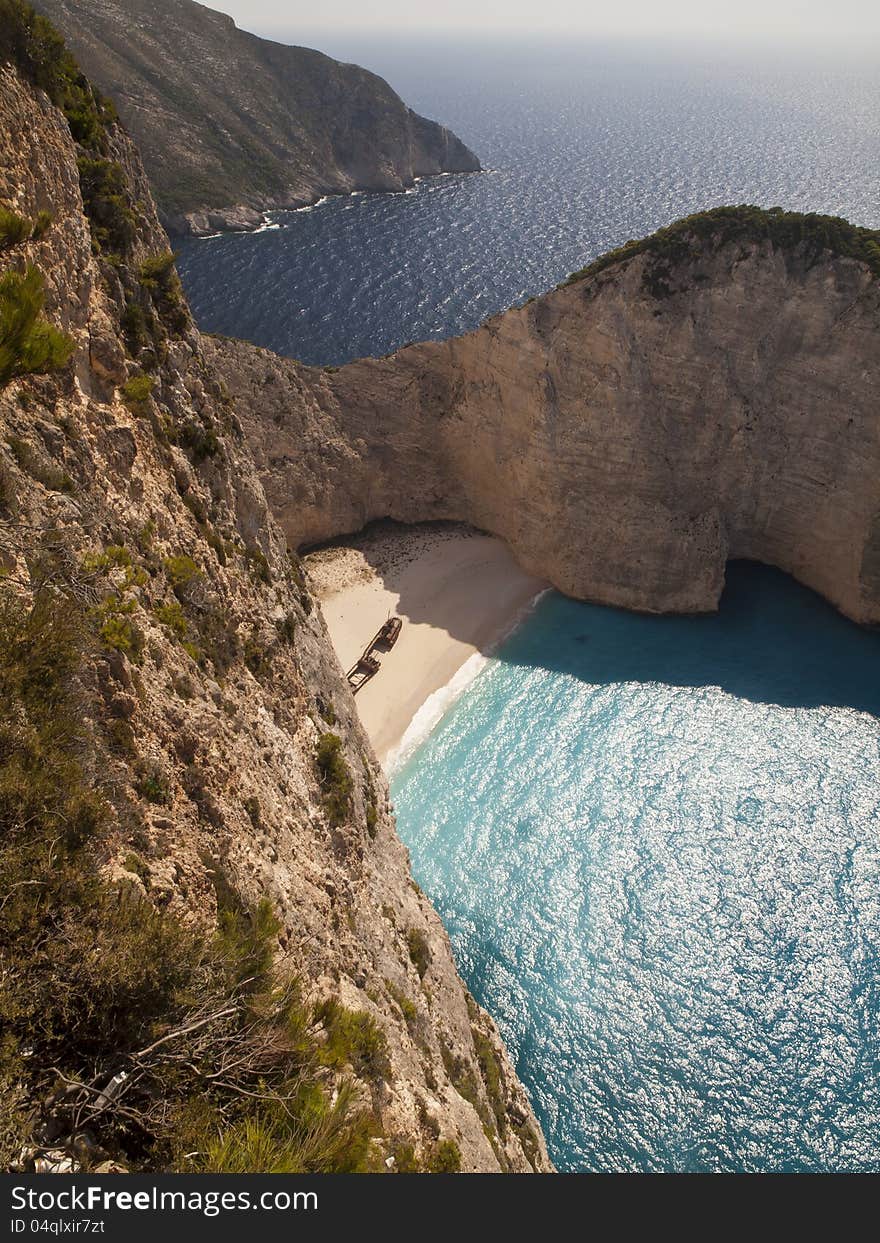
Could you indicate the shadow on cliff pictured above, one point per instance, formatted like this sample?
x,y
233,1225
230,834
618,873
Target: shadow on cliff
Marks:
x,y
772,641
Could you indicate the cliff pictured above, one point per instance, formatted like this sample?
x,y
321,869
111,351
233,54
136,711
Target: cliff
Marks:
x,y
205,902
230,125
709,393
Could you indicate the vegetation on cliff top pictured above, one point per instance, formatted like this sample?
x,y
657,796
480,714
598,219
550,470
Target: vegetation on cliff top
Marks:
x,y
811,232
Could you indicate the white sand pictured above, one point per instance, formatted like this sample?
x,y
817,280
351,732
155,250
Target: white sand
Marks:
x,y
458,592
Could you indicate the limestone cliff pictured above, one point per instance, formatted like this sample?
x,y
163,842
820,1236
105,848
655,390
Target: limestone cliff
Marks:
x,y
710,393
230,125
132,515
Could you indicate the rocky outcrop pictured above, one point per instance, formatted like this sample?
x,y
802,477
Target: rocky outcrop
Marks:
x,y
126,489
230,125
711,393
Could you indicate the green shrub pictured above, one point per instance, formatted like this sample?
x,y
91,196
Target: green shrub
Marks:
x,y
172,616
28,343
154,272
353,1039
133,322
215,543
200,442
116,628
464,1082
529,1141
182,686
371,802
14,229
121,737
309,1135
286,627
259,565
134,863
41,226
245,936
122,635
218,639
158,276
405,1005
152,784
493,1078
106,203
136,390
113,557
73,974
335,778
39,467
419,952
182,572
405,1159
446,1158
257,657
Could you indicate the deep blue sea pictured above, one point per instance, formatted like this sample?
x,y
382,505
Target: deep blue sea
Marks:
x,y
585,146
655,843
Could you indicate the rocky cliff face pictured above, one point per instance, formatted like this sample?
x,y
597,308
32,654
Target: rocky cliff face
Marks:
x,y
129,499
230,125
710,394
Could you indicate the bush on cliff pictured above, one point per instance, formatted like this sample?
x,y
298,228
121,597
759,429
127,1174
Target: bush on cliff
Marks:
x,y
28,343
335,778
14,229
106,203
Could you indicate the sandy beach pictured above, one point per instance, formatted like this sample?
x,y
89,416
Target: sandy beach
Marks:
x,y
458,593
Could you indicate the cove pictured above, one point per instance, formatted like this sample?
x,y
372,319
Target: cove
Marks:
x,y
655,843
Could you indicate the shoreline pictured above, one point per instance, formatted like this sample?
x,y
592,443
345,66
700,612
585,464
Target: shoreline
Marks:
x,y
459,592
265,222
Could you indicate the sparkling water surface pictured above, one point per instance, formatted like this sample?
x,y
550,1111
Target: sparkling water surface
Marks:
x,y
585,146
655,843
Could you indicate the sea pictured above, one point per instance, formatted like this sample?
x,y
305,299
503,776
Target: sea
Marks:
x,y
655,844
655,841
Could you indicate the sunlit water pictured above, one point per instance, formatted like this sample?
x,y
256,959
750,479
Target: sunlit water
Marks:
x,y
586,146
655,843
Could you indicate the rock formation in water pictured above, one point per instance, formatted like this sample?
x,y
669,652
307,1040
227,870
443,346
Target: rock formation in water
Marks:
x,y
710,393
203,893
230,125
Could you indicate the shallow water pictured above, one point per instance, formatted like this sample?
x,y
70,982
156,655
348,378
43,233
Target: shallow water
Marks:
x,y
655,843
586,146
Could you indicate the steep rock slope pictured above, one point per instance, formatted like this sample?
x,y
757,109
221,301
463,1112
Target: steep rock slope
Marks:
x,y
710,393
230,125
130,509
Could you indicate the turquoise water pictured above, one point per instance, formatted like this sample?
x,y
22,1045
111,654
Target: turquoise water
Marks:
x,y
655,843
